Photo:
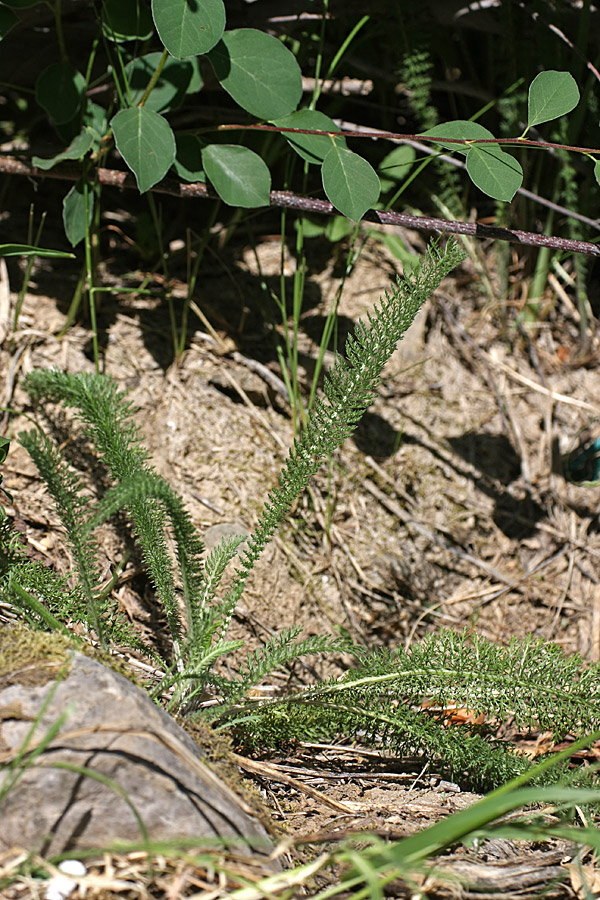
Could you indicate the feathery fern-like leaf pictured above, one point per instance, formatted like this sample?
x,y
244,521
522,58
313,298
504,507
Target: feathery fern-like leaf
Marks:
x,y
107,416
73,507
349,390
11,551
282,648
215,566
402,700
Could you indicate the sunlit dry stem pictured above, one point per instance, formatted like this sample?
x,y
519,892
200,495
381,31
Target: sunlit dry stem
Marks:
x,y
288,200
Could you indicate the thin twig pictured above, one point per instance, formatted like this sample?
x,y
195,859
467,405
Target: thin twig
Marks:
x,y
559,398
435,536
288,200
468,340
253,410
270,378
266,770
459,164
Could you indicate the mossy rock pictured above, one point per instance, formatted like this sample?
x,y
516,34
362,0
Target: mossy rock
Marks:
x,y
118,769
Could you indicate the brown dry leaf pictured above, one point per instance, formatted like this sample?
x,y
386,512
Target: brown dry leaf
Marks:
x,y
585,880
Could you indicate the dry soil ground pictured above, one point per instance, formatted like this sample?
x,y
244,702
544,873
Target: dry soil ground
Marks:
x,y
447,509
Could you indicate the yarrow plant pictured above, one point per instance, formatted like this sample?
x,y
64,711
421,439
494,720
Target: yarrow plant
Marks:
x,y
395,699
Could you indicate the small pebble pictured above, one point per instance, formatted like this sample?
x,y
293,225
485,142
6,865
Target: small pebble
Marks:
x,y
61,886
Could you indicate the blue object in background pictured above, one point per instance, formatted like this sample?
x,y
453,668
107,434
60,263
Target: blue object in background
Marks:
x,y
582,465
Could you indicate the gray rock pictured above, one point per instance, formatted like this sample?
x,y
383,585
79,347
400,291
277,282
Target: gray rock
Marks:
x,y
213,536
111,729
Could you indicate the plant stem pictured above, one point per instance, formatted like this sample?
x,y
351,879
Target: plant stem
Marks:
x,y
155,77
40,610
60,37
30,263
89,266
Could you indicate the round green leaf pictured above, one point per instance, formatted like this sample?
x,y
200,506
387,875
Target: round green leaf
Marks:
x,y
196,81
496,173
551,94
260,74
395,166
94,116
76,150
337,228
188,29
309,226
60,91
74,210
126,20
188,158
597,171
8,20
171,87
350,183
460,129
311,147
145,141
68,131
239,176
